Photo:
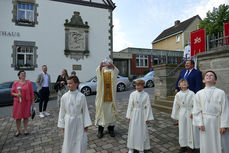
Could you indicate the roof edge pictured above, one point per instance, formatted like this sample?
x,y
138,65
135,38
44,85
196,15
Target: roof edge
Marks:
x,y
109,6
167,37
196,16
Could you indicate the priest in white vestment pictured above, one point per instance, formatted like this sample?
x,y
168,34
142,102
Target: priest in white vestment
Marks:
x,y
106,111
139,113
211,114
74,118
182,111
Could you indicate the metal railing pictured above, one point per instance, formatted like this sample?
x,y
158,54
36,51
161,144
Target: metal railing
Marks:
x,y
214,42
175,69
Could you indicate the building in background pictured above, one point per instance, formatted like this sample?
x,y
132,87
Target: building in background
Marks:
x,y
63,34
122,60
177,36
137,61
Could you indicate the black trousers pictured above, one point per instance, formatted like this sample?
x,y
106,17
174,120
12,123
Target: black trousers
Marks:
x,y
44,98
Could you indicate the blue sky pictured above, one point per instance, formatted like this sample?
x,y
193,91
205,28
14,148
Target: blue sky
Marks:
x,y
138,22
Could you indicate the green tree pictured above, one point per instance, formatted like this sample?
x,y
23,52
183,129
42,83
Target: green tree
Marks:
x,y
214,20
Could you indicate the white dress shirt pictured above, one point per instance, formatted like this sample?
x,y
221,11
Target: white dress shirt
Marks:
x,y
46,80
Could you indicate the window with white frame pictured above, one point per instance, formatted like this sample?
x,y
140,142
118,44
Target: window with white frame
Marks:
x,y
24,55
25,12
177,38
141,60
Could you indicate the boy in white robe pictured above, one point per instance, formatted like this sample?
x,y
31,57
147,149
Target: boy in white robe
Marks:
x,y
211,115
182,111
74,118
139,114
106,112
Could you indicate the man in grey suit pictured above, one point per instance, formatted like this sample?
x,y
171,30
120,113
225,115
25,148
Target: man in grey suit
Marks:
x,y
43,84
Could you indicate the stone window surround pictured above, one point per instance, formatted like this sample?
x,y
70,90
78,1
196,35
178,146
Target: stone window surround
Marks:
x,y
14,12
14,54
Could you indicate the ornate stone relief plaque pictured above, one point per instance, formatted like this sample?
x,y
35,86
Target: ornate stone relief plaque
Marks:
x,y
76,37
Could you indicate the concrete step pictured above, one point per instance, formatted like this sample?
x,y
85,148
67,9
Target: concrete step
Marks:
x,y
170,98
162,108
166,103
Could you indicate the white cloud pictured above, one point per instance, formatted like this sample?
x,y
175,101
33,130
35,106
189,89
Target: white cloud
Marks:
x,y
119,39
153,16
204,6
161,15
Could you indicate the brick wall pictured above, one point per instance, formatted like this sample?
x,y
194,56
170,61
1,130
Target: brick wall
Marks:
x,y
138,71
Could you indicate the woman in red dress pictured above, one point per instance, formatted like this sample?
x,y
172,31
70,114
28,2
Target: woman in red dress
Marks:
x,y
22,90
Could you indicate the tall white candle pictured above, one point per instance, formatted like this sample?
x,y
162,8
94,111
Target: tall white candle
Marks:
x,y
19,91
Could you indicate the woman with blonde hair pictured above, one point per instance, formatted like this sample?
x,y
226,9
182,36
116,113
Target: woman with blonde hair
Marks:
x,y
61,85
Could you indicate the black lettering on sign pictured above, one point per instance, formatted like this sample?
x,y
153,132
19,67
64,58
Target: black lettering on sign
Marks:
x,y
9,34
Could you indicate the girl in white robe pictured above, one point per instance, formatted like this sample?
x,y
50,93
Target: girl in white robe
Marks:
x,y
139,113
74,118
182,111
211,114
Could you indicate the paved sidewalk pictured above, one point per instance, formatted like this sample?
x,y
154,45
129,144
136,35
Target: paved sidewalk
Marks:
x,y
45,137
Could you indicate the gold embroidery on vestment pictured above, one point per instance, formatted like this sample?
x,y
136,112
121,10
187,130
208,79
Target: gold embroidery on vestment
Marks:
x,y
107,86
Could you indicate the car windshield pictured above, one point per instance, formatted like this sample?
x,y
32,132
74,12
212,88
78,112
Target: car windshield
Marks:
x,y
94,78
5,85
148,74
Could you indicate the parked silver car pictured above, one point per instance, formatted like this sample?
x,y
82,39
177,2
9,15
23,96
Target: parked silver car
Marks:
x,y
90,86
148,78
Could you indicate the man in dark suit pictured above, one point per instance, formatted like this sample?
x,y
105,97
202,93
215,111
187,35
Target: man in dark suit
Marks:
x,y
193,76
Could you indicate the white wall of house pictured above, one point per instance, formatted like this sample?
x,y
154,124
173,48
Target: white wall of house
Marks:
x,y
49,35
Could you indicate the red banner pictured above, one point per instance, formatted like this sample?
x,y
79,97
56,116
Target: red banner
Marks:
x,y
226,32
197,41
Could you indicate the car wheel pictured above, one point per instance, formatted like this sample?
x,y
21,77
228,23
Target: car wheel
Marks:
x,y
133,84
36,97
149,84
86,91
121,87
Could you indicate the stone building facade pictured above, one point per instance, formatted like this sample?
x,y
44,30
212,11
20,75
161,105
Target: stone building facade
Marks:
x,y
218,61
63,34
177,36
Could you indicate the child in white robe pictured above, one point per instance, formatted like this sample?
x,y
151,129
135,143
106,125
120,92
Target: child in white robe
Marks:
x,y
211,115
182,111
139,113
74,118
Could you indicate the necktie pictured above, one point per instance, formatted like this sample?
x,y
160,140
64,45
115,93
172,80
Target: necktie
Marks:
x,y
186,75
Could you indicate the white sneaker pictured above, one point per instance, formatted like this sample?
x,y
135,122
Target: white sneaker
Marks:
x,y
42,115
46,114
131,151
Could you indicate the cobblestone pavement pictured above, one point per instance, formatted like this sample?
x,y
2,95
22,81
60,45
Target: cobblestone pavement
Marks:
x,y
45,137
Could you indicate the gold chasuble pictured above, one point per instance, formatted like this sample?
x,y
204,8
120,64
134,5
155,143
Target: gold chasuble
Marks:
x,y
106,111
107,86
